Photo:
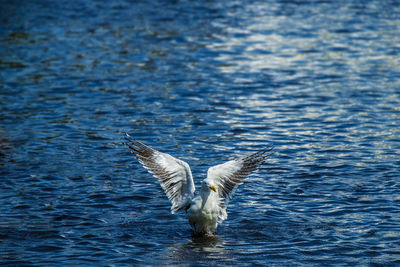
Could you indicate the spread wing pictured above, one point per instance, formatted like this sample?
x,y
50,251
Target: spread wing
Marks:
x,y
173,174
229,175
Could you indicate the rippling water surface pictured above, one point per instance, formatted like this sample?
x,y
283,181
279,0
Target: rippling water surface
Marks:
x,y
205,81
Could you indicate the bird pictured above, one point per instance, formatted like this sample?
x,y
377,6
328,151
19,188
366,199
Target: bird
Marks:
x,y
207,209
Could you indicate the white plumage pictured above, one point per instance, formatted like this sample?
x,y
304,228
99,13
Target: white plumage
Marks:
x,y
206,210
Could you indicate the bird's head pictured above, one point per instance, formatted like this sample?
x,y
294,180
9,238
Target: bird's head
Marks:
x,y
207,186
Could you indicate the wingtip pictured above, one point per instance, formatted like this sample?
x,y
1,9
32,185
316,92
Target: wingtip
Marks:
x,y
127,136
267,152
134,144
130,139
268,148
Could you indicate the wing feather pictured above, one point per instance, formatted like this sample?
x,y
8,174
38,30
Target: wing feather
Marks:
x,y
229,175
173,174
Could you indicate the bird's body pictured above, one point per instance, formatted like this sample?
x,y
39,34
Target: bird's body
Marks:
x,y
202,213
207,209
202,217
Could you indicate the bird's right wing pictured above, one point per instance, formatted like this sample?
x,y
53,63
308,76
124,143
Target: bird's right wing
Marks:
x,y
173,174
229,175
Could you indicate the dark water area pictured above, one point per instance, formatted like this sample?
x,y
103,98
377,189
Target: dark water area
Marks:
x,y
204,81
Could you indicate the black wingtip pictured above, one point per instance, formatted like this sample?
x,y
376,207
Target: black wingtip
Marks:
x,y
131,142
262,152
128,137
260,156
136,145
269,149
267,152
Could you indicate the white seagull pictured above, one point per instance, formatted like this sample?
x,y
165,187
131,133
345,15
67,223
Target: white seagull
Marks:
x,y
207,209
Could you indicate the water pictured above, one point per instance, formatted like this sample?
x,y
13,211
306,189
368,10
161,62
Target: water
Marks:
x,y
205,81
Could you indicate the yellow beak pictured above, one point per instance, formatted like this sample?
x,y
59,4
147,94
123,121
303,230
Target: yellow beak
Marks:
x,y
213,188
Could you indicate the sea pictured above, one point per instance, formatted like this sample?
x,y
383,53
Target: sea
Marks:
x,y
206,82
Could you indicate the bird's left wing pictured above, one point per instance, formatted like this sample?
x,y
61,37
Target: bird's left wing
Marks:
x,y
229,175
173,174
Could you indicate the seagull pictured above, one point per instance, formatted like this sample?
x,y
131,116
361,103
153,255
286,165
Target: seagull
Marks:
x,y
208,208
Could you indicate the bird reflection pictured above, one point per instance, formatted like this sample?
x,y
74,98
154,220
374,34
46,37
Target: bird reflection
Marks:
x,y
206,244
207,249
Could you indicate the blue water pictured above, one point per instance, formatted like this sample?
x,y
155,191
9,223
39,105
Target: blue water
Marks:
x,y
204,81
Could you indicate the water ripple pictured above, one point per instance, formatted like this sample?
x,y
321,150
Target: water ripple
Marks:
x,y
204,81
